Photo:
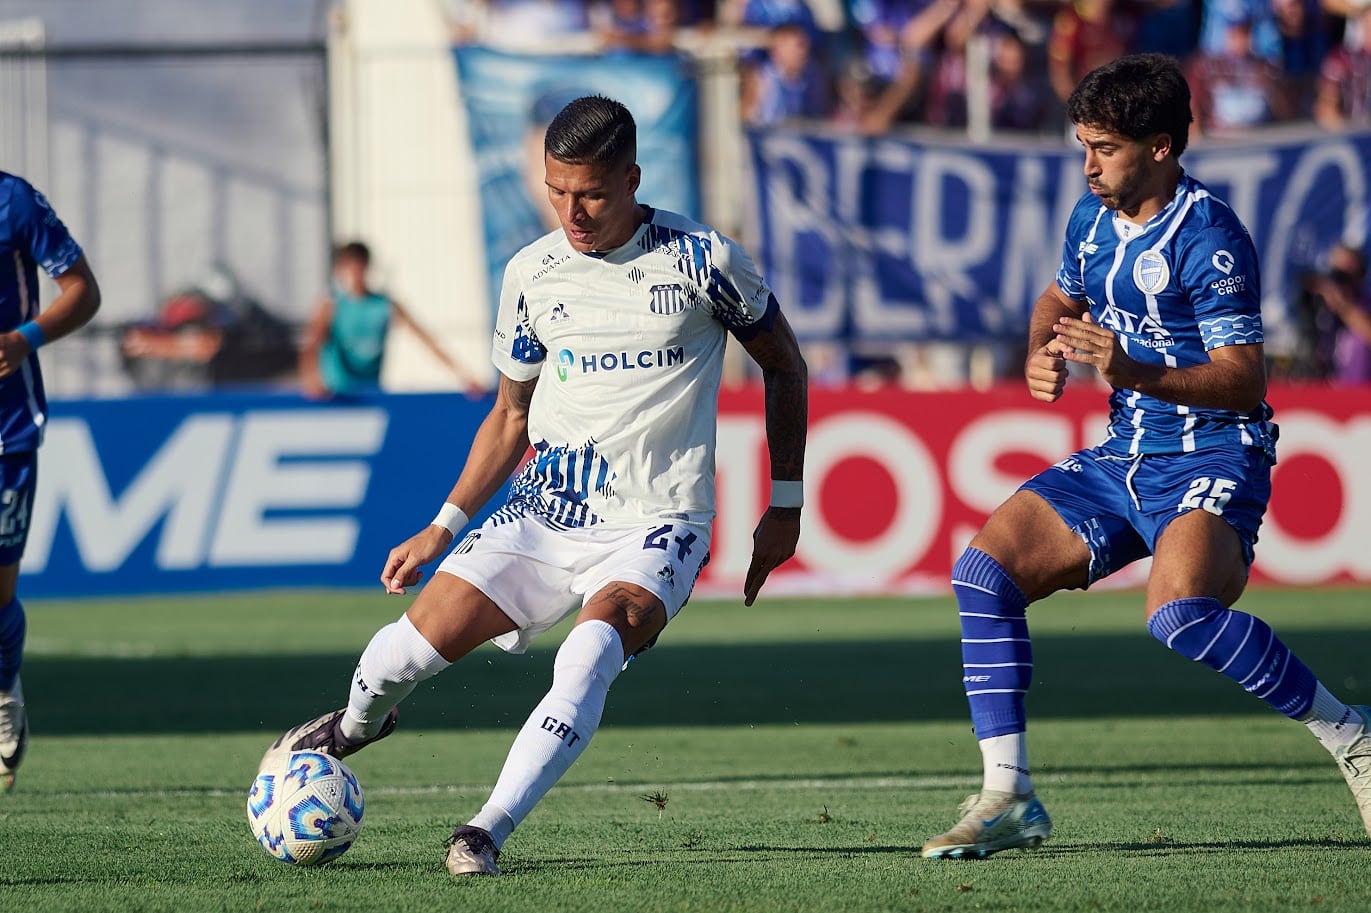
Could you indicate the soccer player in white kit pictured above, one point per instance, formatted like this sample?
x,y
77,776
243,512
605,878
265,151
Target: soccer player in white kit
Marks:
x,y
610,342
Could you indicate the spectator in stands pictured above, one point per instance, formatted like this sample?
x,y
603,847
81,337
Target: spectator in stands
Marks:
x,y
1303,30
898,97
1018,100
1341,290
1087,34
885,46
947,84
1234,90
517,24
1216,14
1168,27
644,26
346,338
787,83
1344,90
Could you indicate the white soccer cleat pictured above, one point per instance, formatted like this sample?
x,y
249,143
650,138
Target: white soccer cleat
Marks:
x,y
1355,763
992,821
471,851
14,733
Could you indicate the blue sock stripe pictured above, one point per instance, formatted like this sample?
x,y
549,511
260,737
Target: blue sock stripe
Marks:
x,y
1251,655
997,654
977,570
12,628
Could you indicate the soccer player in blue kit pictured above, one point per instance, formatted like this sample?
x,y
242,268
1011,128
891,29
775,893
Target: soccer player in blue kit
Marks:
x,y
31,235
1158,293
610,340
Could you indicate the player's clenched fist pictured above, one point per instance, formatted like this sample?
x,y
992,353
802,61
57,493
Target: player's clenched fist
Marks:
x,y
1046,372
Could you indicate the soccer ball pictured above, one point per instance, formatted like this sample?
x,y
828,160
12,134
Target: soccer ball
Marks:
x,y
307,810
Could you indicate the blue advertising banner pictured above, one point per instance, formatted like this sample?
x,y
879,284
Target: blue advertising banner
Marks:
x,y
168,494
511,98
879,239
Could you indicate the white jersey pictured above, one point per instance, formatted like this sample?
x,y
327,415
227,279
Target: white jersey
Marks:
x,y
628,349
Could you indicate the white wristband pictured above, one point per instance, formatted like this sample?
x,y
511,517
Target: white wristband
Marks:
x,y
787,493
451,518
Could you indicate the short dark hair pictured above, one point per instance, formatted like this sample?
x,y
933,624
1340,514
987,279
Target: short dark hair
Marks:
x,y
352,250
1135,96
592,130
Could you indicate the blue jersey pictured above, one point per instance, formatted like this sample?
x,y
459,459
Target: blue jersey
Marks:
x,y
31,235
1184,283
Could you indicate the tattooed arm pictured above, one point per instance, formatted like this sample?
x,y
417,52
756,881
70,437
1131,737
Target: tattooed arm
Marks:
x,y
786,380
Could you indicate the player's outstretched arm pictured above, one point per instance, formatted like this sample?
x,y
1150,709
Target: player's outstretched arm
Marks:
x,y
1045,370
496,451
467,380
786,379
77,300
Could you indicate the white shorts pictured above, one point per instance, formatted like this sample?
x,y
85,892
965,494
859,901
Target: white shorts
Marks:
x,y
538,574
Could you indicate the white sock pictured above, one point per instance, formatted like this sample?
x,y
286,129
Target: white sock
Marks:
x,y
559,728
1333,723
396,660
1004,760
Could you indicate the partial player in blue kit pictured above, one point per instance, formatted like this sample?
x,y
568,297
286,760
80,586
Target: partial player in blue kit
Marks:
x,y
1159,294
31,236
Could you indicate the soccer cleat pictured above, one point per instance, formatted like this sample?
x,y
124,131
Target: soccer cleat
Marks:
x,y
992,821
471,851
14,733
325,735
1355,763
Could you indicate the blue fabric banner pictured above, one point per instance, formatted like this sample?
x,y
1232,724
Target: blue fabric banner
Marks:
x,y
511,98
238,491
890,239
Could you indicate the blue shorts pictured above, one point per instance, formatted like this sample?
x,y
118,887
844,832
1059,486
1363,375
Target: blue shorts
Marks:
x,y
1120,504
18,478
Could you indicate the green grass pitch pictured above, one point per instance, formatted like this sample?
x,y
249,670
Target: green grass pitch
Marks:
x,y
804,749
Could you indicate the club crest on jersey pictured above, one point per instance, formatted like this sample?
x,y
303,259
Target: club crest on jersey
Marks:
x,y
1151,272
667,299
1223,261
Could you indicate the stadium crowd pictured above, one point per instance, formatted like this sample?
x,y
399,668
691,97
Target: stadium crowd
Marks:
x,y
870,65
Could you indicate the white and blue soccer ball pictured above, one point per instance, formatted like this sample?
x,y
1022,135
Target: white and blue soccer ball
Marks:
x,y
306,810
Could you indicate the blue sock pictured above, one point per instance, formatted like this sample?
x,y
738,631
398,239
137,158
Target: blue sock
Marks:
x,y
12,626
1241,646
997,657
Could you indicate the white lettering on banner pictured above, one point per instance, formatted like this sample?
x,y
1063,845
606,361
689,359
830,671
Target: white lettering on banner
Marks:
x,y
1032,249
971,471
179,484
268,474
918,497
1343,547
791,218
212,486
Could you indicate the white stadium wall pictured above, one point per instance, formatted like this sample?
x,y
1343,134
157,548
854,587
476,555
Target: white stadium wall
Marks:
x,y
403,181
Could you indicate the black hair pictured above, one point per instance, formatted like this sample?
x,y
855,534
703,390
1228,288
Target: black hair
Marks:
x,y
1135,96
352,250
593,130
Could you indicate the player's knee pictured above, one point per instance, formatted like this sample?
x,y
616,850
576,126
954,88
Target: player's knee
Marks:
x,y
591,657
